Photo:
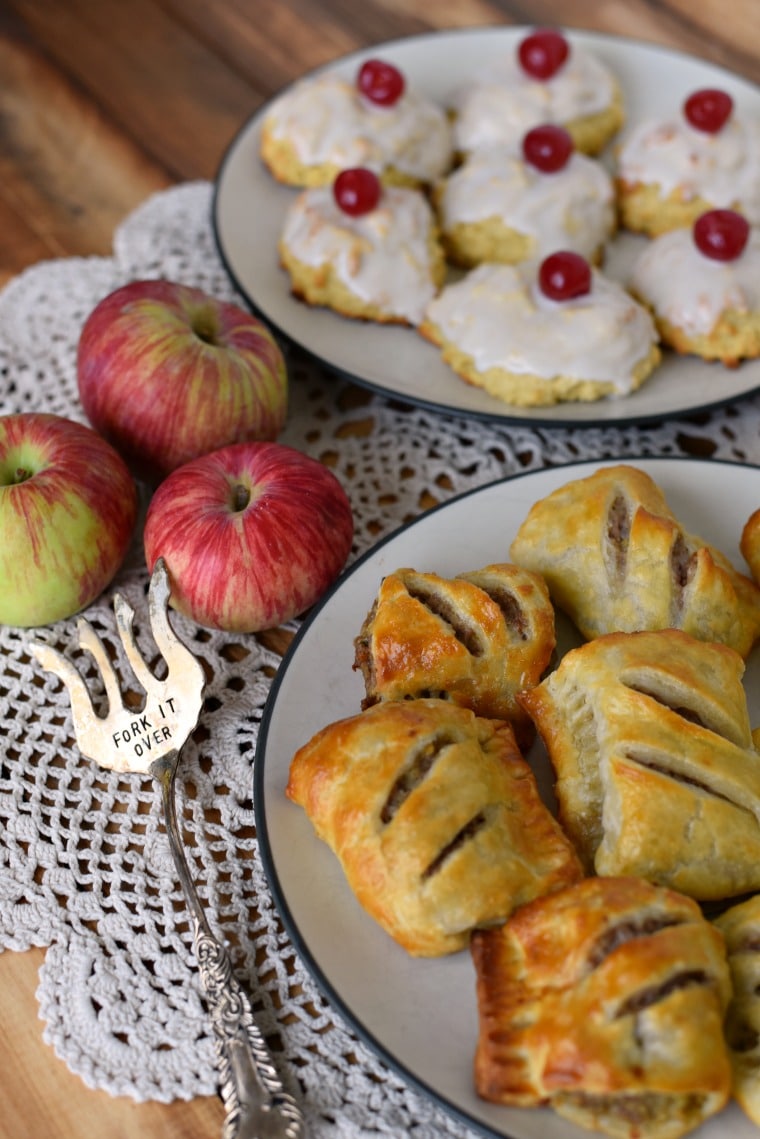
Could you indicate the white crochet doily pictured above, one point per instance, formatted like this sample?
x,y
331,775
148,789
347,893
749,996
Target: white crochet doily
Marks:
x,y
85,869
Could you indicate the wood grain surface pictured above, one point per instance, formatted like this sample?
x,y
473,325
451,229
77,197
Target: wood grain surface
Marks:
x,y
103,102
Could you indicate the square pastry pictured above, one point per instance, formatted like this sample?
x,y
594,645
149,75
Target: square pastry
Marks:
x,y
616,559
435,817
740,926
476,639
657,772
605,1000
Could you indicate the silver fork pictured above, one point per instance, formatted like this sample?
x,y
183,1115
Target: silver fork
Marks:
x,y
149,742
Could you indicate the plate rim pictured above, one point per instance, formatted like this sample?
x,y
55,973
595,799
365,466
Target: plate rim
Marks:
x,y
511,416
323,984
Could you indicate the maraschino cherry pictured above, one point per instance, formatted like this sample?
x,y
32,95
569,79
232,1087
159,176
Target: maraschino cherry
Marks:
x,y
357,190
708,109
564,275
547,147
543,52
721,234
380,82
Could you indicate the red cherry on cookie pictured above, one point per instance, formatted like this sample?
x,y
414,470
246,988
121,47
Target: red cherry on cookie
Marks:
x,y
543,52
380,82
547,147
357,191
564,275
707,110
721,234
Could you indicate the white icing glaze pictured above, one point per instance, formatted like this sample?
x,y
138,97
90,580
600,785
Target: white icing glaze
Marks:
x,y
327,120
723,168
573,208
690,290
504,102
498,316
382,257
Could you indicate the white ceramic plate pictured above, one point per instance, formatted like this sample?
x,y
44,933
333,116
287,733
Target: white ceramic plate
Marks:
x,y
420,1015
249,208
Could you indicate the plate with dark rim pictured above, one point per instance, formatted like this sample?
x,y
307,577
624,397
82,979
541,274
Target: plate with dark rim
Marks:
x,y
419,1015
249,207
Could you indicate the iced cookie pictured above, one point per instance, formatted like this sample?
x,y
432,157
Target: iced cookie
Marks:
x,y
325,124
547,78
518,203
533,338
367,251
703,286
669,171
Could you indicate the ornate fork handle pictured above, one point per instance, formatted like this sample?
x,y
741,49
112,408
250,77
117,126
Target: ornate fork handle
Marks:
x,y
256,1105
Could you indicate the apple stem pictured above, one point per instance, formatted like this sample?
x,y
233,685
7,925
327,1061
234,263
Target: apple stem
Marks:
x,y
21,475
205,326
241,496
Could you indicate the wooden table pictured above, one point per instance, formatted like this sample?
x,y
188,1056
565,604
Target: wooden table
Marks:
x,y
103,102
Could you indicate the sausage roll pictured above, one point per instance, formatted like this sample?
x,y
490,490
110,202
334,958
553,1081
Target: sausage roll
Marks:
x,y
605,1000
475,639
616,559
740,926
750,544
657,773
435,817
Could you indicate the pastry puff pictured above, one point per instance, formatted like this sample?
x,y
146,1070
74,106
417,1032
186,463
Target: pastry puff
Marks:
x,y
616,560
657,774
605,1000
435,818
750,544
475,639
740,926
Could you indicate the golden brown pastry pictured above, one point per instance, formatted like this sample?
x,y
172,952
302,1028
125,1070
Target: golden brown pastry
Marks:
x,y
605,1000
475,639
750,544
435,818
615,558
657,774
740,927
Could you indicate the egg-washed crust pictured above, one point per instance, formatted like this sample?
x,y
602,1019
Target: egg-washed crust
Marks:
x,y
435,817
749,544
657,774
476,639
616,558
605,1000
740,926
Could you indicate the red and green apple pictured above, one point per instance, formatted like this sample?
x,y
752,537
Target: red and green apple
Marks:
x,y
68,505
167,372
252,535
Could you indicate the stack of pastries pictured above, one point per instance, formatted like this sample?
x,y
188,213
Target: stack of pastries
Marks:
x,y
607,987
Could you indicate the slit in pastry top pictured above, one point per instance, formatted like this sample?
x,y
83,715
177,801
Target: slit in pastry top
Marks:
x,y
617,533
631,928
464,834
413,774
467,634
